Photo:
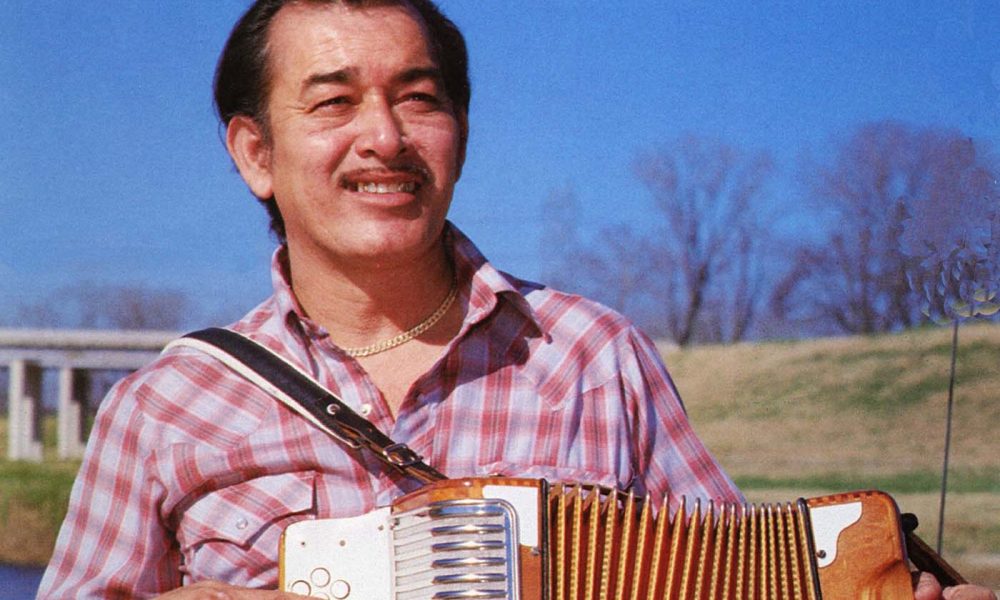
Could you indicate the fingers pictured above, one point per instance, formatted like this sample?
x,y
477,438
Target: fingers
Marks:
x,y
968,592
213,590
926,587
203,590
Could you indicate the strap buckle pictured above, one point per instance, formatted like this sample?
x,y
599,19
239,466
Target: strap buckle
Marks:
x,y
400,455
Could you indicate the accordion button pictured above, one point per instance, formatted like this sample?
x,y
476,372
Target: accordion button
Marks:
x,y
241,524
340,589
366,409
301,587
320,577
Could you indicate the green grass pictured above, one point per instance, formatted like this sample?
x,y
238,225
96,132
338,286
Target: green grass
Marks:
x,y
33,499
43,486
916,482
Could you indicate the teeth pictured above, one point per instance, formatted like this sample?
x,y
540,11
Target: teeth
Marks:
x,y
386,188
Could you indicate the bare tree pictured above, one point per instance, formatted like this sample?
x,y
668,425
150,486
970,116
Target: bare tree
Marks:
x,y
95,306
615,267
856,278
697,274
141,308
561,243
709,245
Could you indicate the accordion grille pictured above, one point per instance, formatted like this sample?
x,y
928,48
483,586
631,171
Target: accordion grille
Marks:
x,y
608,545
456,549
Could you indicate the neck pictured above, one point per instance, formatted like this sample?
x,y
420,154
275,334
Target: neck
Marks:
x,y
367,301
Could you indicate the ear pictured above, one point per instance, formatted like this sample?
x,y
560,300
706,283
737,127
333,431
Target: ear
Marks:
x,y
251,152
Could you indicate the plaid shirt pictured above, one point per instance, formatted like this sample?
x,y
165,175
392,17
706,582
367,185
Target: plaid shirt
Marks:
x,y
191,472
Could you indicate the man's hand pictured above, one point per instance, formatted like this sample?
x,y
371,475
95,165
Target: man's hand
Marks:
x,y
928,588
213,590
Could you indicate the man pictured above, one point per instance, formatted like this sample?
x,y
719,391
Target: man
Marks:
x,y
349,120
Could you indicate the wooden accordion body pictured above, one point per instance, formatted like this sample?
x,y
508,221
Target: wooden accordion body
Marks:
x,y
526,539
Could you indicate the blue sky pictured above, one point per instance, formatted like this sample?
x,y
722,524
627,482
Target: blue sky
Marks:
x,y
112,169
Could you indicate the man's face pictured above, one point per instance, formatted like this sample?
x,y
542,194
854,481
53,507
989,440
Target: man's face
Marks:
x,y
365,147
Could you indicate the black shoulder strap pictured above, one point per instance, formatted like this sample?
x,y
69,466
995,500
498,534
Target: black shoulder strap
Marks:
x,y
305,396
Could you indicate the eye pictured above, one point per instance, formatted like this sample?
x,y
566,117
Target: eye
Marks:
x,y
422,101
333,102
422,97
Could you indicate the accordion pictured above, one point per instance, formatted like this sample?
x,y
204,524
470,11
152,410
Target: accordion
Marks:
x,y
528,539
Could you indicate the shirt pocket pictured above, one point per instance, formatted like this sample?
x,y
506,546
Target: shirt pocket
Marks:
x,y
233,533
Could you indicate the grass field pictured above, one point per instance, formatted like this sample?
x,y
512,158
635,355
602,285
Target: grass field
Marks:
x,y
786,419
32,504
805,418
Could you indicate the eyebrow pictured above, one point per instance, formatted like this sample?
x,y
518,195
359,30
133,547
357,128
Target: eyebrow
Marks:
x,y
347,74
338,76
418,73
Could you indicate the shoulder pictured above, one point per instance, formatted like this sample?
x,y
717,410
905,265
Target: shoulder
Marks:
x,y
568,317
184,396
585,338
552,311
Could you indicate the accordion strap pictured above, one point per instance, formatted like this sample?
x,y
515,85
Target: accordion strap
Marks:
x,y
924,558
300,392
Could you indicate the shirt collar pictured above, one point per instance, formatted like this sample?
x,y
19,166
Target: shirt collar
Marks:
x,y
482,286
284,297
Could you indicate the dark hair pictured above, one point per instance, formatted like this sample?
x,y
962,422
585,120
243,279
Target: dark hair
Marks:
x,y
242,77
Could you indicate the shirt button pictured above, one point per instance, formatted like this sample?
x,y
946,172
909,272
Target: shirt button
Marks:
x,y
366,409
241,523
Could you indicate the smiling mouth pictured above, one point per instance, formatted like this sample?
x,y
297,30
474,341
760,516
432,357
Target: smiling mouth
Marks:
x,y
370,187
404,179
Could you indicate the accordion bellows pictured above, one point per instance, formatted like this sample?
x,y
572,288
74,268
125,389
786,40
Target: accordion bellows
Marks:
x,y
527,539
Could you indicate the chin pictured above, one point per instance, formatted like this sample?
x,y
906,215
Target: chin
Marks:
x,y
399,243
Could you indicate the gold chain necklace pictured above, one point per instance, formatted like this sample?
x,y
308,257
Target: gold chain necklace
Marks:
x,y
409,334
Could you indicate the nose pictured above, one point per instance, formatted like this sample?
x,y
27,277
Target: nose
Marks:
x,y
380,132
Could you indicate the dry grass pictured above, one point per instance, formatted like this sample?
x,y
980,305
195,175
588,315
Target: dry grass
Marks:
x,y
871,405
805,418
33,499
27,538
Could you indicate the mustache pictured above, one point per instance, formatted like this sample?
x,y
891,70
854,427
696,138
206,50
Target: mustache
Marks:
x,y
409,170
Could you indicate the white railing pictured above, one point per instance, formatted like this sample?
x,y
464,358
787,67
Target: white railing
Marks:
x,y
26,353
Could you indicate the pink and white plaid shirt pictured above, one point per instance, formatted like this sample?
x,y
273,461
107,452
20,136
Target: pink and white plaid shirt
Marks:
x,y
191,472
